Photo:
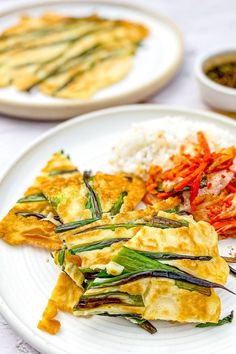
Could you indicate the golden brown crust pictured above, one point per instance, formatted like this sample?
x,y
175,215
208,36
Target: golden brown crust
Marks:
x,y
94,79
163,300
68,194
215,270
103,49
16,229
147,213
63,298
166,301
66,293
98,258
199,239
192,240
48,323
109,187
72,238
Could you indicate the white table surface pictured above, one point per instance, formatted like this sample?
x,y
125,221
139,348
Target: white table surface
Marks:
x,y
206,25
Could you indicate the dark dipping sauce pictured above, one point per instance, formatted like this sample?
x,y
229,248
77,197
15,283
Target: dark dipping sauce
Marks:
x,y
223,74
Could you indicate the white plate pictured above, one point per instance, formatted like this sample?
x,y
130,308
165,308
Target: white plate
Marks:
x,y
155,64
27,275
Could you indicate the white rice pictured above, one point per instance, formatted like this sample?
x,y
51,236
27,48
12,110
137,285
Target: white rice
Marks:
x,y
153,142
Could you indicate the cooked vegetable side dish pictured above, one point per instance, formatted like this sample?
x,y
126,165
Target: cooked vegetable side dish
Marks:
x,y
68,57
197,167
203,180
139,244
223,74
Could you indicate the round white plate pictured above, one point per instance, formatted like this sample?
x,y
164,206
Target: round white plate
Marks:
x,y
27,275
156,62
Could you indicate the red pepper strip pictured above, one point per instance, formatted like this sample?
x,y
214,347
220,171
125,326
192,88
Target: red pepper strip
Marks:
x,y
223,166
154,170
223,217
224,226
194,189
231,188
149,199
204,144
191,177
222,160
152,188
172,173
188,171
164,194
151,185
229,200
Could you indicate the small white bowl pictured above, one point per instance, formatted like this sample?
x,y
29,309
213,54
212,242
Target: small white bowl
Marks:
x,y
216,95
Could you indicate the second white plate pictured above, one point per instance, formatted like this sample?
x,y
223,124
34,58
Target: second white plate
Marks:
x,y
154,65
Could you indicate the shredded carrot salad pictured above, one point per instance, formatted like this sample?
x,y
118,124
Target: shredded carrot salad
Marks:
x,y
204,181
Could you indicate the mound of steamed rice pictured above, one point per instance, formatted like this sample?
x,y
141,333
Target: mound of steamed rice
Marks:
x,y
153,142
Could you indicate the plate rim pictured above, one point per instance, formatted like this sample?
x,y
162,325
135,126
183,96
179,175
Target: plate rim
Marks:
x,y
25,332
148,88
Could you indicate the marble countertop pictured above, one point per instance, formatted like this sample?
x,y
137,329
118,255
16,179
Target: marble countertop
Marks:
x,y
205,25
